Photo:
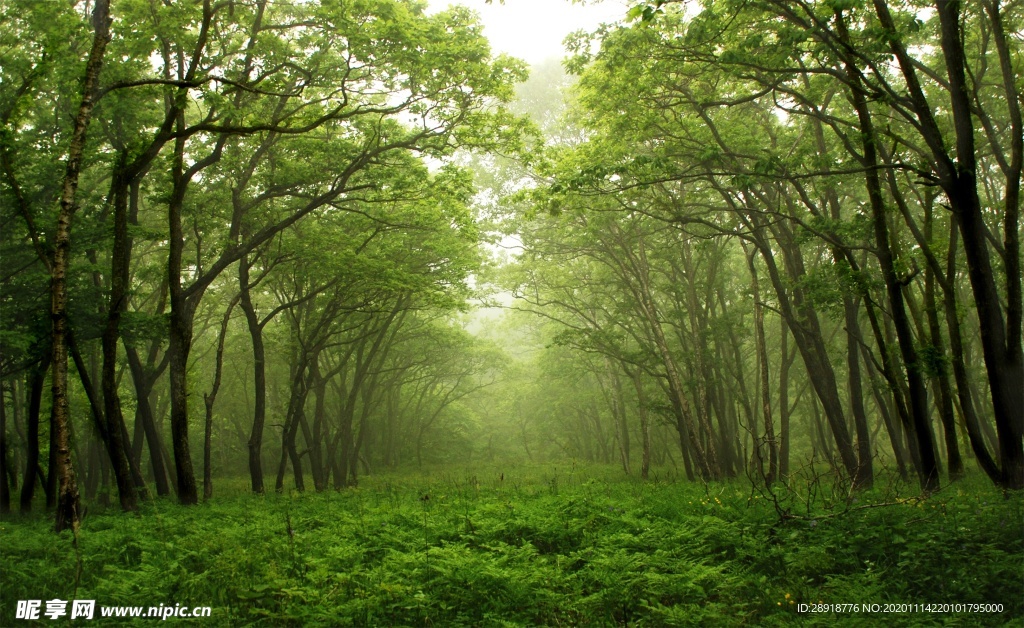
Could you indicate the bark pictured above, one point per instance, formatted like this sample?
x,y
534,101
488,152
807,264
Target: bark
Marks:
x,y
295,414
357,446
5,487
35,397
940,372
704,456
178,348
368,393
388,453
144,377
784,414
684,446
717,447
762,363
183,302
865,471
897,388
819,439
259,378
113,418
307,437
135,478
319,466
724,406
972,422
345,444
1000,338
799,314
918,396
632,267
617,406
803,322
957,174
365,358
17,412
842,254
50,481
645,424
688,435
138,440
183,306
725,403
892,427
210,398
138,481
1011,199
144,414
68,507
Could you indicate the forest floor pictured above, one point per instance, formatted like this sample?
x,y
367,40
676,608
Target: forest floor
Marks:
x,y
553,546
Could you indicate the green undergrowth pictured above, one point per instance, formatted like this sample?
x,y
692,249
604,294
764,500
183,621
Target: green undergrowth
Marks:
x,y
551,546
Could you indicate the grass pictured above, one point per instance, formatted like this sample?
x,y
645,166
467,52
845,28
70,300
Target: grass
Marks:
x,y
543,546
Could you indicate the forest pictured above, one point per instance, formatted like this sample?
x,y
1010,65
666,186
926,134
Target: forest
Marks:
x,y
325,312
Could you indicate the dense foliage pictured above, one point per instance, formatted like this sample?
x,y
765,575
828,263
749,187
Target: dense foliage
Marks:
x,y
759,216
762,264
555,545
261,205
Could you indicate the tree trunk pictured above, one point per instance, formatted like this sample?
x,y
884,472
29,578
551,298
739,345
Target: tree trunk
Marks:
x,y
645,424
762,363
144,414
180,330
714,452
50,481
178,348
939,370
68,507
259,378
802,321
316,454
35,398
618,410
918,395
112,416
963,383
704,457
17,412
785,363
892,429
367,394
865,477
1000,339
295,415
210,398
5,487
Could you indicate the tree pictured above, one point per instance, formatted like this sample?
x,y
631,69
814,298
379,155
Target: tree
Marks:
x,y
794,57
68,515
359,85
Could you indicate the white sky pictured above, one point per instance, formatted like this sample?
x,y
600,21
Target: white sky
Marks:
x,y
533,30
